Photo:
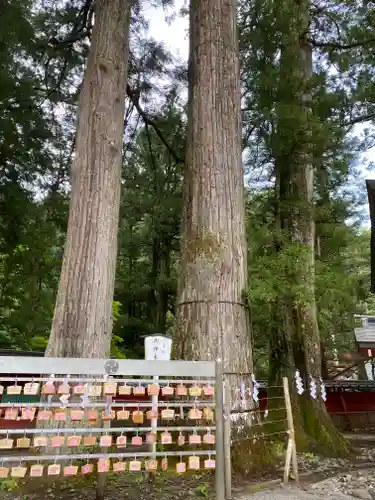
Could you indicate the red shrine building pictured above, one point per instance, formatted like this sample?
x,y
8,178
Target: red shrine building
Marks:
x,y
365,341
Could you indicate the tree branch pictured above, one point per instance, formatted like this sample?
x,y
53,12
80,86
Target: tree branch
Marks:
x,y
340,46
360,119
134,97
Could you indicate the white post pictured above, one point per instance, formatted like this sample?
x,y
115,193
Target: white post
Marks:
x,y
154,421
158,348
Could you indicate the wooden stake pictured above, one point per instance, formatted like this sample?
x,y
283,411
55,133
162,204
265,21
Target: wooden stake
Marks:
x,y
288,458
291,441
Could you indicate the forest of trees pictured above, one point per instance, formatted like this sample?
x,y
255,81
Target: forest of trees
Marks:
x,y
241,211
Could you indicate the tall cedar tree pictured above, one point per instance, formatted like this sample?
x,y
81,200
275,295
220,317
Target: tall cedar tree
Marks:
x,y
297,337
82,323
212,318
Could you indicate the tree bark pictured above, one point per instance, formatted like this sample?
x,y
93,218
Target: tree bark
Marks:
x,y
82,323
212,316
295,175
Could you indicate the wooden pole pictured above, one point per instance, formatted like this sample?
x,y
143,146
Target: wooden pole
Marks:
x,y
101,477
219,419
288,457
291,440
227,442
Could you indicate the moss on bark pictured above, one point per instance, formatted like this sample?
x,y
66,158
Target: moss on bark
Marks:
x,y
256,453
321,431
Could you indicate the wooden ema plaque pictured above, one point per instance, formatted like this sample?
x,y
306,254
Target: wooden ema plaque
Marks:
x,y
208,391
14,390
49,389
110,388
123,415
119,466
153,390
18,472
181,390
70,470
23,442
194,463
96,403
121,441
103,465
138,417
151,465
31,389
167,391
60,415
6,444
137,441
4,472
89,441
139,390
36,470
180,467
87,469
168,414
105,441
57,441
195,439
135,466
63,389
54,470
124,390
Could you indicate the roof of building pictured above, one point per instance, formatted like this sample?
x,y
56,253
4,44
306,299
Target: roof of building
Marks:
x,y
365,335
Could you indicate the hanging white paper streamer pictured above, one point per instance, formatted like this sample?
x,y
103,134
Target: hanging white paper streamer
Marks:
x,y
265,414
236,400
64,400
312,388
299,383
243,395
323,392
85,397
255,389
108,406
235,416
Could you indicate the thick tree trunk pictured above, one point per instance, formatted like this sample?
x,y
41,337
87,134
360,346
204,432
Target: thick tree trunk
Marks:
x,y
82,323
162,289
295,176
212,318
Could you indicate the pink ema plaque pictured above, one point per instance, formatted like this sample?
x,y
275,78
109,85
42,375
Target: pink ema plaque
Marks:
x,y
54,470
36,470
70,470
103,465
87,468
119,466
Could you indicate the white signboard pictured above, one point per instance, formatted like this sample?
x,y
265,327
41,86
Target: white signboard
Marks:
x,y
158,348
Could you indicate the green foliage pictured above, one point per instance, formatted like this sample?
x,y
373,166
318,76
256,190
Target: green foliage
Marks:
x,y
203,489
342,278
8,484
148,236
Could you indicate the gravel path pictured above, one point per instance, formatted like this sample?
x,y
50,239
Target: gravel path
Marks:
x,y
295,494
